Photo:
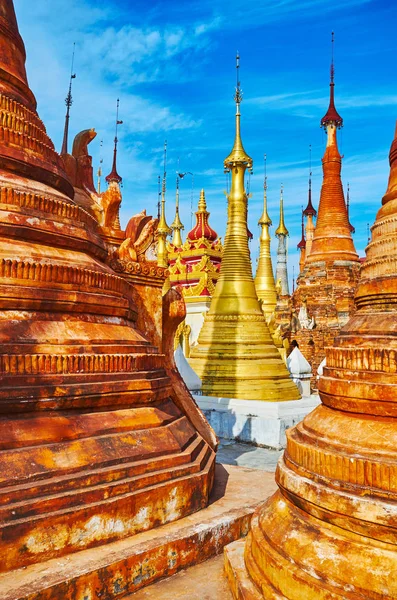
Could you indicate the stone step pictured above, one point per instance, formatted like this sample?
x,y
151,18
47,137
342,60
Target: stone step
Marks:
x,y
206,581
239,582
114,570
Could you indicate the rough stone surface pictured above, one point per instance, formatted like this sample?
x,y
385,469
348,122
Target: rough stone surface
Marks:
x,y
99,437
206,581
114,570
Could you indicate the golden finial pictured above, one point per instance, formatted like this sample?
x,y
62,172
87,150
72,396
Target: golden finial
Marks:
x,y
281,229
162,229
202,205
238,155
177,225
264,279
265,219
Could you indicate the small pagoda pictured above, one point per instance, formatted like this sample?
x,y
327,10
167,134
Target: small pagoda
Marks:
x,y
194,268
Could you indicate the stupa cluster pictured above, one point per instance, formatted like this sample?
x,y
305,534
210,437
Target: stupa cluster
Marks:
x,y
100,439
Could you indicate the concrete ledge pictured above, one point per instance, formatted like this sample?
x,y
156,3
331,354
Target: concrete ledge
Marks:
x,y
253,421
115,570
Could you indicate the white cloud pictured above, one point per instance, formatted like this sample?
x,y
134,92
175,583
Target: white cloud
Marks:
x,y
310,98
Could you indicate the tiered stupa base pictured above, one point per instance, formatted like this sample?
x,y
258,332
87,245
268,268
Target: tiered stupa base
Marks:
x,y
236,358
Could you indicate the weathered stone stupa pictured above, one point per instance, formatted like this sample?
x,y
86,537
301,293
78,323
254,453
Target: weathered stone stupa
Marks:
x,y
235,356
330,530
328,280
99,437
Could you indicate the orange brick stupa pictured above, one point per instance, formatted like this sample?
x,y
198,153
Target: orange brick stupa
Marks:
x,y
99,438
330,530
324,296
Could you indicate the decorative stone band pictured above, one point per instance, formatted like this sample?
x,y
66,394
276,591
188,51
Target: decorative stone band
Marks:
x,y
54,273
307,458
52,206
23,125
384,227
63,364
385,265
234,318
349,512
139,268
18,117
9,136
363,359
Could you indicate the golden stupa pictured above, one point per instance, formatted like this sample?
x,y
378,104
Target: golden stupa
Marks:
x,y
330,532
264,279
235,356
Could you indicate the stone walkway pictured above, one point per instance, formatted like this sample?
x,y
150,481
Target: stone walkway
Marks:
x,y
245,455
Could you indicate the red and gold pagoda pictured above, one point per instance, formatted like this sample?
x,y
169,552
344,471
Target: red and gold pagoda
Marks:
x,y
195,266
99,438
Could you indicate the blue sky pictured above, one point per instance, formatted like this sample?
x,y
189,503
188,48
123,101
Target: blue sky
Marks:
x,y
173,66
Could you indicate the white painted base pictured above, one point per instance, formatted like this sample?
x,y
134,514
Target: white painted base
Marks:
x,y
253,421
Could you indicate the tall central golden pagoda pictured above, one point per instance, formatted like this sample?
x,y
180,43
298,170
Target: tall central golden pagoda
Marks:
x,y
235,356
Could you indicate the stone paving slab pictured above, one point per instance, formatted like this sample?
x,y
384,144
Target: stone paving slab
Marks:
x,y
206,581
247,455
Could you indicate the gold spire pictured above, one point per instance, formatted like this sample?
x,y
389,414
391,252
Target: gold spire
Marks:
x,y
265,219
238,155
264,279
235,355
202,205
281,229
177,225
162,229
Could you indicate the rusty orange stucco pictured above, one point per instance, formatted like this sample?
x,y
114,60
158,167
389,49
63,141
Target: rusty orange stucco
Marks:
x,y
99,438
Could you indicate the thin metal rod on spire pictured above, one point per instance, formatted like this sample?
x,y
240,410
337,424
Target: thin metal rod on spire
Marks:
x,y
164,170
100,166
182,175
265,179
238,95
191,201
68,102
332,56
348,198
118,122
113,175
158,196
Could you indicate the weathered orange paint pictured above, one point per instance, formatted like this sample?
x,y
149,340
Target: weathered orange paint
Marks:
x,y
328,280
99,438
330,530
